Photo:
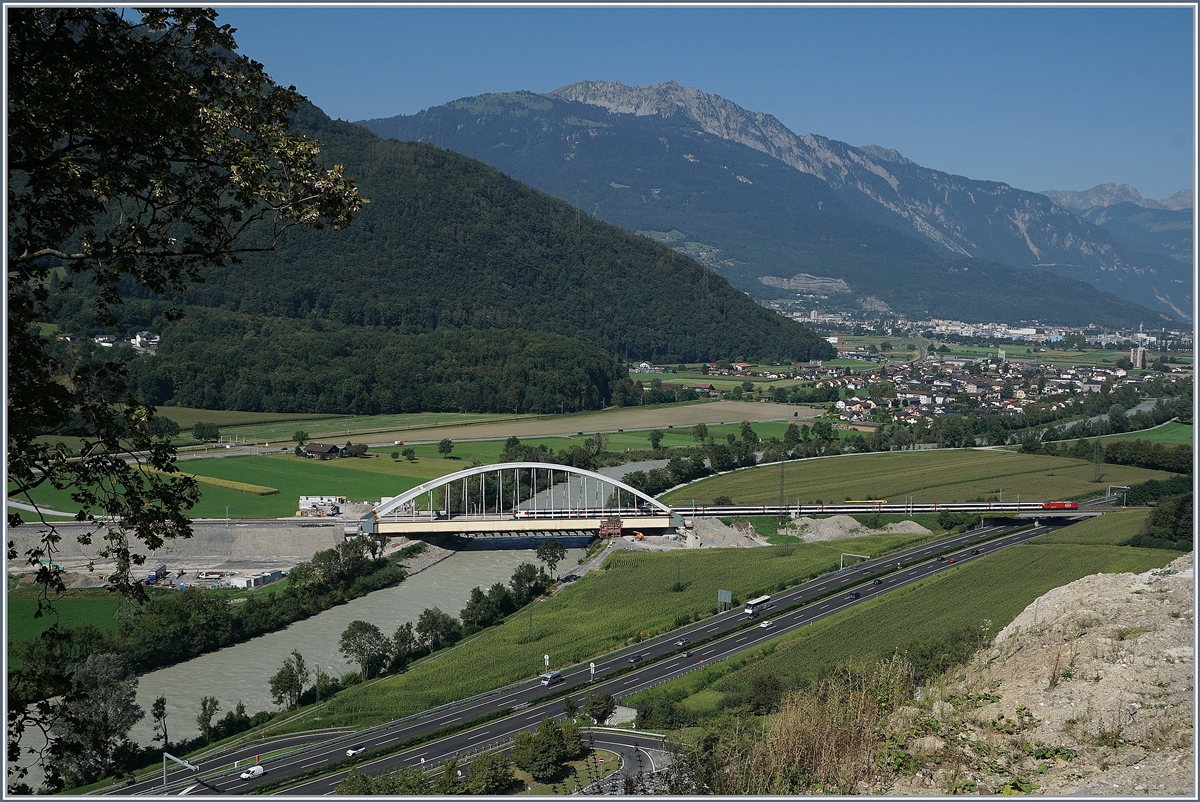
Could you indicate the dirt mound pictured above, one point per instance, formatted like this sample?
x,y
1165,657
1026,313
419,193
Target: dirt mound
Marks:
x,y
740,534
837,527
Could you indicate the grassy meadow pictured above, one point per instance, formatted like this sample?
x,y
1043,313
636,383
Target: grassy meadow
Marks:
x,y
99,612
945,475
1173,433
937,475
630,599
280,426
371,478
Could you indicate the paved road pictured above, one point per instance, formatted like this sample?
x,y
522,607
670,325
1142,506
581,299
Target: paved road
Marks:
x,y
713,639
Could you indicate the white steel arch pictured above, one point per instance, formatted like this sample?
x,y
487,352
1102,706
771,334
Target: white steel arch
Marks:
x,y
428,487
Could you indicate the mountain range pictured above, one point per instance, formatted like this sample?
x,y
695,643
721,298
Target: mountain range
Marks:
x,y
1105,195
762,205
1161,227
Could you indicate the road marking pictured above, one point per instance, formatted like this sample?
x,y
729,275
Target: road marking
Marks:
x,y
480,735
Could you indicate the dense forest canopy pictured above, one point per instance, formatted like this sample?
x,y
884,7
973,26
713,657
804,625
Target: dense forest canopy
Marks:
x,y
448,242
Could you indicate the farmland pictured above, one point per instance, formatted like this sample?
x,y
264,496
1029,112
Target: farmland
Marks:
x,y
93,606
378,475
279,427
940,475
630,599
1172,433
432,426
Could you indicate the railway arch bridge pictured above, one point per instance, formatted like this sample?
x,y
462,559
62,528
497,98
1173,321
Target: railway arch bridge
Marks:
x,y
517,498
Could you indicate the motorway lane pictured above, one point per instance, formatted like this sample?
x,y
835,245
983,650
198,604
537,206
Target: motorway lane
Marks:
x,y
245,755
528,717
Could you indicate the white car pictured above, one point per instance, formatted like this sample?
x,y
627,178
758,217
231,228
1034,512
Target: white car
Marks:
x,y
252,772
354,750
766,624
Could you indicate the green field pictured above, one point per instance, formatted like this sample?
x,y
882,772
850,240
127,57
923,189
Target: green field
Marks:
x,y
994,589
1047,357
376,476
365,479
632,598
939,475
1173,433
98,610
1113,529
280,426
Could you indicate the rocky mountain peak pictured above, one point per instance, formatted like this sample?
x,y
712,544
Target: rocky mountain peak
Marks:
x,y
1183,199
884,154
1099,195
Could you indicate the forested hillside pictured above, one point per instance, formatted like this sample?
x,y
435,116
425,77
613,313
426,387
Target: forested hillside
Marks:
x,y
448,242
456,288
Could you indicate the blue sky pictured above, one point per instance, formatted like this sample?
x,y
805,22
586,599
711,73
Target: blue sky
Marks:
x,y
1037,97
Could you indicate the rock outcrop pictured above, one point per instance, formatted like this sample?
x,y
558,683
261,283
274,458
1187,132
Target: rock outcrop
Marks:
x,y
1089,691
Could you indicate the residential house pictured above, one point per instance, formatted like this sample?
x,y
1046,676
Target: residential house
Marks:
x,y
322,451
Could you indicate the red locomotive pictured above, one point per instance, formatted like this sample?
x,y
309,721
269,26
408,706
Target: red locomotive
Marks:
x,y
1061,505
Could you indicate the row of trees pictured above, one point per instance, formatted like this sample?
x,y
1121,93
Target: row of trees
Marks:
x,y
174,626
364,644
1169,525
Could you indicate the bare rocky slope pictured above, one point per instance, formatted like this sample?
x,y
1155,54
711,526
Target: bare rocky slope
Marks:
x,y
1089,691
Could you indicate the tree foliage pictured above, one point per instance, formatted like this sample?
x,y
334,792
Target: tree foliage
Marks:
x,y
143,152
1169,525
287,684
92,722
365,644
551,552
599,706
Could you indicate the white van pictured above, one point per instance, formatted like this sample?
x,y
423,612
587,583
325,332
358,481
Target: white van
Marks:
x,y
552,677
252,772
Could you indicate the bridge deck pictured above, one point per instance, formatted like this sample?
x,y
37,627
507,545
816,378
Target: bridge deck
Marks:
x,y
480,525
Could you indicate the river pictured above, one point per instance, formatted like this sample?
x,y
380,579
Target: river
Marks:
x,y
241,672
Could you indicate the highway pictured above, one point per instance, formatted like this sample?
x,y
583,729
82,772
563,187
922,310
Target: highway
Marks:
x,y
713,639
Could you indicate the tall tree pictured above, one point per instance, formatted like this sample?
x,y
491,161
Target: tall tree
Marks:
x,y
158,711
142,150
92,723
287,684
551,552
489,774
599,707
436,628
365,644
208,708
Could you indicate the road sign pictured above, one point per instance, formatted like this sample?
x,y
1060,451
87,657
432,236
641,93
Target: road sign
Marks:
x,y
592,666
546,657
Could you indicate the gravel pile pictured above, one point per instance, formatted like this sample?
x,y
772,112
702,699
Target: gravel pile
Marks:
x,y
837,527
